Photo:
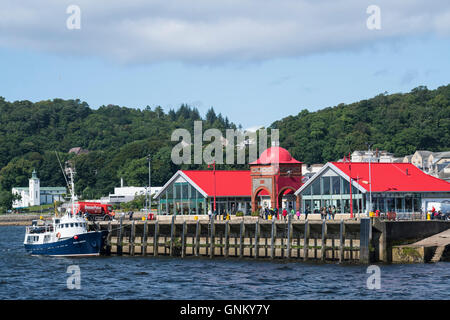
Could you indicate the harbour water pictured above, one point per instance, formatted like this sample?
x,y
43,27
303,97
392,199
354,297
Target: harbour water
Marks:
x,y
26,277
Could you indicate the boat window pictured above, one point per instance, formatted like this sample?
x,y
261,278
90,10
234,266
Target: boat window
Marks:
x,y
67,225
76,224
71,225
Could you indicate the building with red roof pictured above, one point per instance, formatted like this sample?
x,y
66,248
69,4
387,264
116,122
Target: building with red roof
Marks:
x,y
275,180
399,187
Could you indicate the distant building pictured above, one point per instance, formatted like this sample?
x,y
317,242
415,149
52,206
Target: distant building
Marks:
x,y
35,195
433,163
374,156
78,151
127,194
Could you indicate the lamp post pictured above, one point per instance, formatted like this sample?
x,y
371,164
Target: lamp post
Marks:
x,y
370,177
149,186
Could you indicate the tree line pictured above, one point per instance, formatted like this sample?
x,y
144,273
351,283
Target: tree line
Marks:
x,y
119,138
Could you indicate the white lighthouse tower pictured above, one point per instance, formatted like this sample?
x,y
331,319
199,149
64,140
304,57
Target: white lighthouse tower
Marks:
x,y
35,190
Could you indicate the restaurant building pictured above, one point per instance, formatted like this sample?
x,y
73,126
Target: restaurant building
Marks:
x,y
275,180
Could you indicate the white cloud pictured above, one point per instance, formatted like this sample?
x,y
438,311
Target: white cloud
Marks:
x,y
204,31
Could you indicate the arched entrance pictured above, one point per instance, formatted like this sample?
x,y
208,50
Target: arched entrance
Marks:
x,y
287,199
261,199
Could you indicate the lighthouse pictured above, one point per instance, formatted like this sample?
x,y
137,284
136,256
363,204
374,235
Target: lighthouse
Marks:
x,y
35,190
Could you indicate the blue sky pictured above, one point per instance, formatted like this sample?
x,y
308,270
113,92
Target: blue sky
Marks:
x,y
289,67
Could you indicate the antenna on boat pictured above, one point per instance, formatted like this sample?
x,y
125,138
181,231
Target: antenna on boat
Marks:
x,y
71,185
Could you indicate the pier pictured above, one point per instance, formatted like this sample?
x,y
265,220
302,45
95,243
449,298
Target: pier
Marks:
x,y
249,237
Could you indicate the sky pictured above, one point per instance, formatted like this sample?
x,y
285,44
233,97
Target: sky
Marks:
x,y
253,61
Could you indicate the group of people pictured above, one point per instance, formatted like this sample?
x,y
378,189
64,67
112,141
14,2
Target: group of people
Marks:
x,y
328,212
265,213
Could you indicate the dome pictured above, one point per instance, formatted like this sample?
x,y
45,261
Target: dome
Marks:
x,y
270,156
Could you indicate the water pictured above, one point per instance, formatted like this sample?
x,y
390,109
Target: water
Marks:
x,y
26,277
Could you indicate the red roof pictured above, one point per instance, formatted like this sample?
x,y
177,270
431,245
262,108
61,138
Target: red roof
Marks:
x,y
270,156
393,177
229,183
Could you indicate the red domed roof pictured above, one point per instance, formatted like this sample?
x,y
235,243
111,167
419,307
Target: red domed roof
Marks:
x,y
270,156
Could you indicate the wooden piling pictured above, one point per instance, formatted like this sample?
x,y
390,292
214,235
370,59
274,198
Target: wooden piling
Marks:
x,y
306,241
227,234
289,237
156,239
120,238
144,240
341,241
324,240
241,238
172,236
211,240
183,240
197,239
272,240
257,230
108,239
132,238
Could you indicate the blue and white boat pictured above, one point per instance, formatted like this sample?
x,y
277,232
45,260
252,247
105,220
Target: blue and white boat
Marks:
x,y
64,236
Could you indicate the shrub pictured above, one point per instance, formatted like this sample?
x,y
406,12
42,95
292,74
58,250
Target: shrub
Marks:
x,y
239,214
255,214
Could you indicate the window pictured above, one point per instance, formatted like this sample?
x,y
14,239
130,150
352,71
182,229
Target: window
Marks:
x,y
335,185
316,187
326,185
307,191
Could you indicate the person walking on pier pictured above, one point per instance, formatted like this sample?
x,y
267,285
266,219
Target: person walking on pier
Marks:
x,y
323,213
298,214
284,214
333,211
306,212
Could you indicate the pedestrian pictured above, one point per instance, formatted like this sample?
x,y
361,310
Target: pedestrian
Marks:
x,y
333,211
266,213
130,214
306,212
329,213
275,213
298,214
284,214
292,212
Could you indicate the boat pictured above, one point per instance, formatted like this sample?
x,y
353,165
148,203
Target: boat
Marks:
x,y
64,236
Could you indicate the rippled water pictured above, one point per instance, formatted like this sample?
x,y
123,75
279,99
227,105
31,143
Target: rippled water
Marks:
x,y
26,277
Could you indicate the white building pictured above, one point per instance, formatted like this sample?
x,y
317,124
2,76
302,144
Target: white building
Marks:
x,y
126,194
35,195
374,156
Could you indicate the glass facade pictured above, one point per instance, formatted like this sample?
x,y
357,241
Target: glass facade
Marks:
x,y
332,190
181,198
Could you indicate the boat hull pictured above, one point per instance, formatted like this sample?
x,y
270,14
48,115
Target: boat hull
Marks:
x,y
86,244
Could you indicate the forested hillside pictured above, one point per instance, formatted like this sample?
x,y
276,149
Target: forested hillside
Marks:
x,y
119,138
398,123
